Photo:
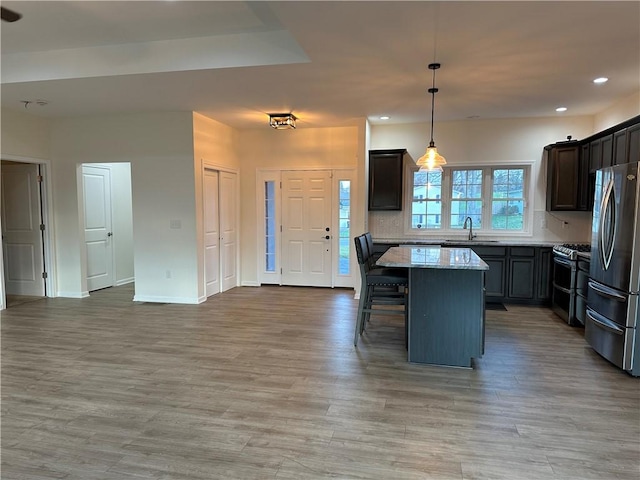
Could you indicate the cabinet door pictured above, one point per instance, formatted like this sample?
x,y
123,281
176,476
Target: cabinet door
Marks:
x,y
633,143
595,155
607,151
544,260
563,178
494,279
620,147
521,277
584,187
385,179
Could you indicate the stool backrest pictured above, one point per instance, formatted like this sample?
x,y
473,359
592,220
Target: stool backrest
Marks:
x,y
369,238
362,252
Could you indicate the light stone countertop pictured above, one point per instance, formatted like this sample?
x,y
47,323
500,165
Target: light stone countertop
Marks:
x,y
432,257
475,242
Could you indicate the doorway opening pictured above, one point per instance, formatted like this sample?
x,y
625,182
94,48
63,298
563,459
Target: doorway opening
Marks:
x,y
106,220
25,237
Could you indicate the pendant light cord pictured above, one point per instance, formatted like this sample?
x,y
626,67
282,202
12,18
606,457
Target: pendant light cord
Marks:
x,y
433,90
433,101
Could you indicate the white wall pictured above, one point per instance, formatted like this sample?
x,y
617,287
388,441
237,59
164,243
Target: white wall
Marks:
x,y
214,145
24,135
159,148
471,142
313,148
618,112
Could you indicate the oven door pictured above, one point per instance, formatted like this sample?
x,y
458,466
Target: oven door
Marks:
x,y
563,294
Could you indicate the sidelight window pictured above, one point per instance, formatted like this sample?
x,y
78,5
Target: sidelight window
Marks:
x,y
270,225
344,220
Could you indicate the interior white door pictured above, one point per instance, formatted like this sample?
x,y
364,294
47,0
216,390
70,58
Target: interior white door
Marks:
x,y
98,235
229,229
211,233
306,228
21,234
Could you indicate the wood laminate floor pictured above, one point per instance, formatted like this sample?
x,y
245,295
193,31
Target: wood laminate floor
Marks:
x,y
264,383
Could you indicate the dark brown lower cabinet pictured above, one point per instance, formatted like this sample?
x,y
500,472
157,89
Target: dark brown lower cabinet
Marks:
x,y
522,274
517,274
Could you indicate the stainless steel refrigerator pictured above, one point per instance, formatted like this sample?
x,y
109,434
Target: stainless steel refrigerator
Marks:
x,y
611,325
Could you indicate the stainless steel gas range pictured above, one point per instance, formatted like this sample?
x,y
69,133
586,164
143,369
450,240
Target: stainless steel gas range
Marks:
x,y
570,281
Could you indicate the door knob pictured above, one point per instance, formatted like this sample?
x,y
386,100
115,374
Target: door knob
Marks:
x,y
327,237
109,234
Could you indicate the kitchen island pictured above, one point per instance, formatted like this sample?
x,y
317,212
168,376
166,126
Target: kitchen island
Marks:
x,y
446,303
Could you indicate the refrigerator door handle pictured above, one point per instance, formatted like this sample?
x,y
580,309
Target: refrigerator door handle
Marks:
x,y
606,292
607,235
604,323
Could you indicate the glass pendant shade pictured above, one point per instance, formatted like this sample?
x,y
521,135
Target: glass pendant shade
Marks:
x,y
431,160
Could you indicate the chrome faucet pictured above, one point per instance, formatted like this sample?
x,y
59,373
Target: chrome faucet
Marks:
x,y
471,235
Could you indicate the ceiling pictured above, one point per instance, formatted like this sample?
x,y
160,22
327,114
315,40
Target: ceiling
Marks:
x,y
330,63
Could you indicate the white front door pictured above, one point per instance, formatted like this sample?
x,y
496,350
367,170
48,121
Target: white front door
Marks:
x,y
211,233
97,224
229,229
21,234
306,228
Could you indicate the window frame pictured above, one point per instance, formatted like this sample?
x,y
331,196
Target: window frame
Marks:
x,y
487,185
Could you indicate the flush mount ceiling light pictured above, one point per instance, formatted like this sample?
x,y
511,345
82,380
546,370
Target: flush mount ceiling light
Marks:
x,y
561,109
432,160
600,80
282,121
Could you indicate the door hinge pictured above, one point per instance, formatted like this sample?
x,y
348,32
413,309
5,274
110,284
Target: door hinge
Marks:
x,y
44,275
39,178
280,228
280,271
280,185
42,227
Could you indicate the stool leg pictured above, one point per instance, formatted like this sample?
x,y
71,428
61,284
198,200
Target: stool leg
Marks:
x,y
360,317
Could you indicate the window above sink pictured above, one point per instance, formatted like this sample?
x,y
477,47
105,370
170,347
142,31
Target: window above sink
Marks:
x,y
496,198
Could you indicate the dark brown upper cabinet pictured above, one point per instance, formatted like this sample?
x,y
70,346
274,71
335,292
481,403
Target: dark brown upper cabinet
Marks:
x,y
563,176
385,179
633,144
572,165
607,151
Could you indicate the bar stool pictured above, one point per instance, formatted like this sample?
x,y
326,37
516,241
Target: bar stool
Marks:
x,y
379,286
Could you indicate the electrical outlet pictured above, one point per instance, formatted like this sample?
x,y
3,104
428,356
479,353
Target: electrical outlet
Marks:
x,y
543,223
565,225
168,274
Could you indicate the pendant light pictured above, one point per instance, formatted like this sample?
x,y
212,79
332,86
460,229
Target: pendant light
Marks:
x,y
432,160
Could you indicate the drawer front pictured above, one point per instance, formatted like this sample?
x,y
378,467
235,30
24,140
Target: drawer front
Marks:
x,y
483,251
522,251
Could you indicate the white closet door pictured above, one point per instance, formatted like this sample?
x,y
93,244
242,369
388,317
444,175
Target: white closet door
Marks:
x,y
211,232
229,229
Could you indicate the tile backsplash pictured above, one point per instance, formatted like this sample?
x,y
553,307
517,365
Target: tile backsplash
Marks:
x,y
557,227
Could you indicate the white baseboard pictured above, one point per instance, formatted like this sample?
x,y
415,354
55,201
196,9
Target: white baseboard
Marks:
x,y
250,284
84,294
125,281
155,299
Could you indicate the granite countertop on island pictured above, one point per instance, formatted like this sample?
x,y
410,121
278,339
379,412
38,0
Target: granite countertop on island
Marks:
x,y
432,257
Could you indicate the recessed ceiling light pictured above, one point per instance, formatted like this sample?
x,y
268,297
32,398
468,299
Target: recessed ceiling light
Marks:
x,y
561,109
600,80
384,117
